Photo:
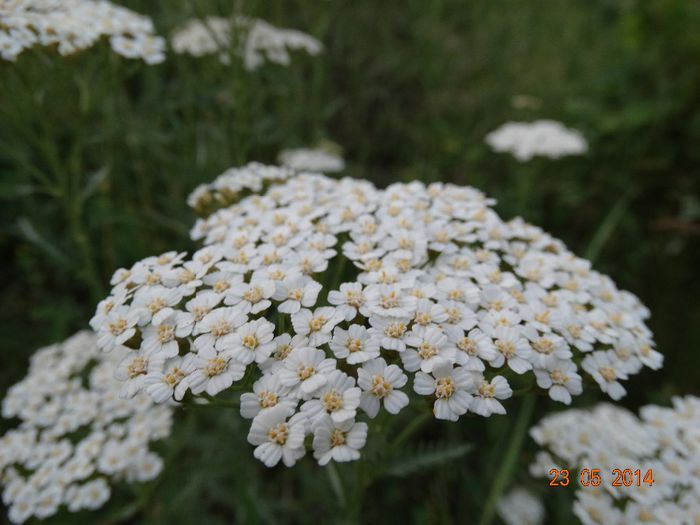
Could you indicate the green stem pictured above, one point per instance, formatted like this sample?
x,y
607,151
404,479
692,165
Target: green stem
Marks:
x,y
508,463
608,225
410,429
336,484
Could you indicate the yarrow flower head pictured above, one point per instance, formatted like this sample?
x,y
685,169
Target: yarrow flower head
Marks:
x,y
657,455
334,300
75,25
260,42
545,138
76,435
314,160
521,507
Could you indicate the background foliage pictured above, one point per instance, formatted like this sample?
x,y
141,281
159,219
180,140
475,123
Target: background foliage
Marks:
x,y
97,155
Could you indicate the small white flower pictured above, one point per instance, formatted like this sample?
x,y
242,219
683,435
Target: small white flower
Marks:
x,y
338,398
605,368
380,384
296,292
132,371
251,297
339,442
355,345
212,373
250,342
391,332
277,438
473,348
117,327
316,325
267,392
349,300
390,301
512,349
306,367
431,346
560,378
216,325
487,393
162,379
450,387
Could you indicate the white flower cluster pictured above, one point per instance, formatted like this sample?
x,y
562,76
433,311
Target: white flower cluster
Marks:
x,y
235,183
439,289
315,160
260,42
546,138
663,444
521,507
75,25
75,433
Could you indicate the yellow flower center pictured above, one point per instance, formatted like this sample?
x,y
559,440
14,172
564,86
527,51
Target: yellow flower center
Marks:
x,y
250,341
454,316
282,352
395,330
543,345
187,276
253,295
220,328
278,434
353,345
268,399
506,348
215,366
296,294
221,286
466,345
426,350
153,278
486,389
423,318
332,401
391,300
117,327
137,367
353,298
305,372
316,323
174,376
574,330
166,333
455,295
337,438
445,388
558,377
542,317
156,305
608,373
380,386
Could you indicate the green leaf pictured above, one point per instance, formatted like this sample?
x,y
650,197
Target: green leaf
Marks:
x,y
94,181
426,457
30,233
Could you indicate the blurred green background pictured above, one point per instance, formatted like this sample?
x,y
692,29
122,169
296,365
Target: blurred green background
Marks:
x,y
98,153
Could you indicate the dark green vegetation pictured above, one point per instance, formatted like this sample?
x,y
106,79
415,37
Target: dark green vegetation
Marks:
x,y
97,156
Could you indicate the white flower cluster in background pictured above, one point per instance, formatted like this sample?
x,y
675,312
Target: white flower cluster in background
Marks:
x,y
75,25
260,42
333,299
521,507
235,183
76,435
545,138
662,441
314,160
